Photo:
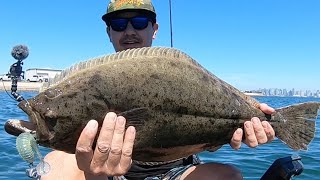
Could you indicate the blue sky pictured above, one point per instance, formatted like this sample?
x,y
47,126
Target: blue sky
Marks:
x,y
250,44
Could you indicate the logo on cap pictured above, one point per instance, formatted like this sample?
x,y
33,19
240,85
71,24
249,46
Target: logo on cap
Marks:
x,y
120,3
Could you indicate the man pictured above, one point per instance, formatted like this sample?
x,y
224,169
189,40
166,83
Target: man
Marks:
x,y
132,24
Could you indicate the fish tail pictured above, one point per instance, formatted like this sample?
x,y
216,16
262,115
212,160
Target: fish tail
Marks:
x,y
295,125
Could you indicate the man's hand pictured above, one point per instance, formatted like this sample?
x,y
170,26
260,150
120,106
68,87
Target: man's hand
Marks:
x,y
256,132
112,155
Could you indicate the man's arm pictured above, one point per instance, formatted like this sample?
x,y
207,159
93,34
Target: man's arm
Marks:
x,y
62,166
256,132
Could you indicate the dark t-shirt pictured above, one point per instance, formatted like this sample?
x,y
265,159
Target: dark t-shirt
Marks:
x,y
143,170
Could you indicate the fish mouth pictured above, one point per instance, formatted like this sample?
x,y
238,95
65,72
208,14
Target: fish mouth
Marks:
x,y
16,127
36,123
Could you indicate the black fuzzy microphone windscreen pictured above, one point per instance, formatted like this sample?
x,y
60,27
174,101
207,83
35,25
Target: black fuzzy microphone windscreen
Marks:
x,y
20,52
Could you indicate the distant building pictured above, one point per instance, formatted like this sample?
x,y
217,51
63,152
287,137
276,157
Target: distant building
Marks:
x,y
40,75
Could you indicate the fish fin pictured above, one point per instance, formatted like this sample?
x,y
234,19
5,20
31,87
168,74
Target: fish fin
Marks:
x,y
296,124
136,117
143,52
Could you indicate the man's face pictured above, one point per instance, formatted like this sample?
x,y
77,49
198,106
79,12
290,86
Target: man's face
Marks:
x,y
131,37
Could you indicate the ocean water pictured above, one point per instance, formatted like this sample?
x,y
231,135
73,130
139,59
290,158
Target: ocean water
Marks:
x,y
253,162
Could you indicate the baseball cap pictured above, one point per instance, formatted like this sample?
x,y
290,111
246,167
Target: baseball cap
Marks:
x,y
117,6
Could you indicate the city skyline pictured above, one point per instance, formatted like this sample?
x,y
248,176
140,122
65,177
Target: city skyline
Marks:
x,y
286,92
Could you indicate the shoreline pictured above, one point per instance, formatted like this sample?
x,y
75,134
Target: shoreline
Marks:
x,y
21,86
253,94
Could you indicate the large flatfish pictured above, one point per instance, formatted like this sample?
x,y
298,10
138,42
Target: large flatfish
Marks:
x,y
177,106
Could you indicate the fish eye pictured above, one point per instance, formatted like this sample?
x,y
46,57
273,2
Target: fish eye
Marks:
x,y
52,93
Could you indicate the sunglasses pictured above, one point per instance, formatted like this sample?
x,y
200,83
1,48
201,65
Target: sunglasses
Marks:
x,y
138,23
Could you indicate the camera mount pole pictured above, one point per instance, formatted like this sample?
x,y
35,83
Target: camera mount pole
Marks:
x,y
15,73
14,87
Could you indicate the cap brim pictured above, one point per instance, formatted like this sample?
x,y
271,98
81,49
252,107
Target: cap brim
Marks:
x,y
106,18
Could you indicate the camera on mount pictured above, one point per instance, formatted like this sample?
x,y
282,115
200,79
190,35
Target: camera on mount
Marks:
x,y
16,70
19,52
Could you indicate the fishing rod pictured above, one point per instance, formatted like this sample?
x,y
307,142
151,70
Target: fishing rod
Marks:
x,y
170,14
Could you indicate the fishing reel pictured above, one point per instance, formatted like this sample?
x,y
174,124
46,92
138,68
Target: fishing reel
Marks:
x,y
19,52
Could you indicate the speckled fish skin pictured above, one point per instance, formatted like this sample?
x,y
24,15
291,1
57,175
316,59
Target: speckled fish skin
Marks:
x,y
177,107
